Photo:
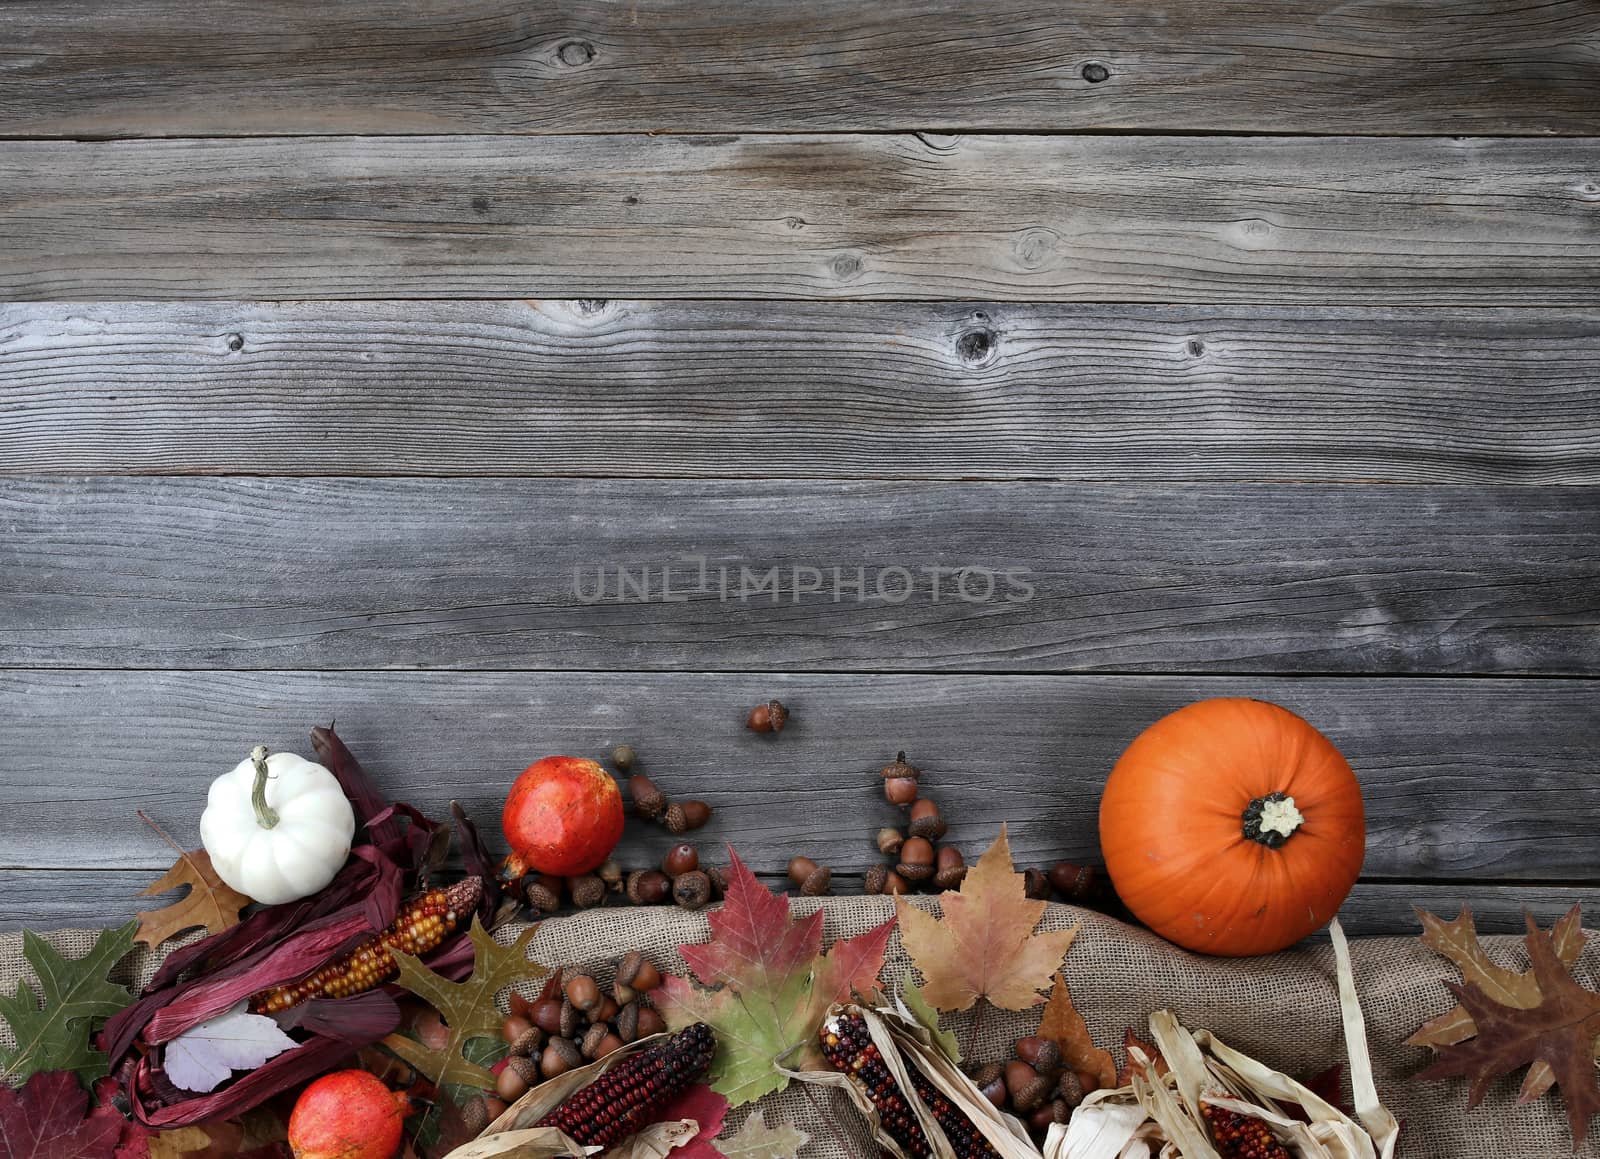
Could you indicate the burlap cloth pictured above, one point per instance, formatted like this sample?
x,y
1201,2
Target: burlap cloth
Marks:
x,y
1283,1009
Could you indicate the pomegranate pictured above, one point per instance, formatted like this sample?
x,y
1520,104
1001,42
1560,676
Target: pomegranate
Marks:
x,y
348,1114
563,817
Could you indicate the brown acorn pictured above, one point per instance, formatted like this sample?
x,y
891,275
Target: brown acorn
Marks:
x,y
648,801
873,881
890,840
587,891
768,717
648,887
900,781
691,890
926,821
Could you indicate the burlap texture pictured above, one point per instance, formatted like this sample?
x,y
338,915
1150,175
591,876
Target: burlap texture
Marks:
x,y
1283,1009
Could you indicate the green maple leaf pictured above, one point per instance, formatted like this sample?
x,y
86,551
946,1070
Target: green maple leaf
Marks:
x,y
773,986
52,1028
922,1011
467,1008
756,1140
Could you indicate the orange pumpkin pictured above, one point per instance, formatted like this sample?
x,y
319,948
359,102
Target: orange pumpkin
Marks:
x,y
1232,827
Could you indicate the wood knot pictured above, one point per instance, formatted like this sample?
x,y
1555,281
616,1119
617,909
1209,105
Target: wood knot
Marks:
x,y
589,307
235,342
1094,72
978,347
480,204
575,53
1196,347
1588,191
940,142
845,267
1034,248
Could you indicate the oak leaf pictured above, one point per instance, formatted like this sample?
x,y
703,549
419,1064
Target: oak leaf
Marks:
x,y
756,1140
49,1118
1062,1024
772,985
468,1008
984,947
1458,941
209,902
1561,1030
52,1029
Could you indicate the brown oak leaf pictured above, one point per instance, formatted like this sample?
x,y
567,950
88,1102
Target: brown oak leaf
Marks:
x,y
1562,1030
1458,941
209,902
1063,1025
985,946
1152,1068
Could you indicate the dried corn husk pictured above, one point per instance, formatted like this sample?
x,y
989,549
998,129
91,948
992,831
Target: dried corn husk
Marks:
x,y
904,1042
1161,1118
514,1136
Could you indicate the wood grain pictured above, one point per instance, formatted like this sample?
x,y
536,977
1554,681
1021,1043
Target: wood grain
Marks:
x,y
491,573
1463,779
74,67
1153,219
808,390
52,899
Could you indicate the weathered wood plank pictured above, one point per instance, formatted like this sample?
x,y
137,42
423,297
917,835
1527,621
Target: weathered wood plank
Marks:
x,y
73,67
984,390
1157,219
52,899
607,574
1478,779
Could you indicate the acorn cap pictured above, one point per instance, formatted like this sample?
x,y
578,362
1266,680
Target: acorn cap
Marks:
x,y
900,769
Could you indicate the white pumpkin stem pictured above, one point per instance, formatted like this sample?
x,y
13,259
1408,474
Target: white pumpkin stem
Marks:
x,y
266,815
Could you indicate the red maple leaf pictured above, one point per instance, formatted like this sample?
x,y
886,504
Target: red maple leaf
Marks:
x,y
50,1119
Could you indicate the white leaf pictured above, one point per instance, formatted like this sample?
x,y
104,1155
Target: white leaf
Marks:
x,y
205,1055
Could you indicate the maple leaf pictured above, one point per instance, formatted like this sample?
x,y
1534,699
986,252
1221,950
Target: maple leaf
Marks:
x,y
708,1109
468,1008
52,1028
50,1119
1561,1030
1062,1024
774,985
916,1005
985,946
756,1140
209,902
1458,941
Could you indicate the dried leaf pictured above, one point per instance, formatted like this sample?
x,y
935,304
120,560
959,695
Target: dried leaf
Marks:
x,y
756,1140
916,1006
52,1030
1562,1030
775,985
985,946
468,1008
205,1056
1154,1066
49,1118
1458,941
209,902
701,1105
1063,1025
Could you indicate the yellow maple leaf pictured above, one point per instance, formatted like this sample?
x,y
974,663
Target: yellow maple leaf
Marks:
x,y
984,947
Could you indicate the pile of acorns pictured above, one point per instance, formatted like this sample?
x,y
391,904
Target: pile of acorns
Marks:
x,y
682,880
1033,1085
571,1023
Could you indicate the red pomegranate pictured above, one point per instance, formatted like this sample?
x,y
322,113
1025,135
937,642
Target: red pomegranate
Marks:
x,y
562,817
348,1114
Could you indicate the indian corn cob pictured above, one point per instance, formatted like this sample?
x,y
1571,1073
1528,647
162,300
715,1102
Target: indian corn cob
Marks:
x,y
1241,1137
630,1094
847,1044
423,922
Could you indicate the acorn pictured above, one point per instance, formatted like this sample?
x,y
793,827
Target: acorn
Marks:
x,y
1043,1054
1027,1087
719,879
1035,884
675,819
560,1055
544,893
1075,883
873,880
817,882
890,840
648,887
926,821
916,859
592,1038
991,1080
529,1042
571,1019
768,717
691,890
681,858
1069,1088
475,1117
628,1022
623,757
949,868
650,1021
695,814
587,891
900,781
635,975
893,883
647,799
611,874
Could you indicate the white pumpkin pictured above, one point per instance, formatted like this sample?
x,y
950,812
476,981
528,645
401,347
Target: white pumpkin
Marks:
x,y
278,828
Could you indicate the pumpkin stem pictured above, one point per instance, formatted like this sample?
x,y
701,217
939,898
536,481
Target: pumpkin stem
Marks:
x,y
266,815
1272,820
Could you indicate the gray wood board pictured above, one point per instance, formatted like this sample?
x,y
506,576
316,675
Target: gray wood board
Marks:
x,y
607,574
826,389
73,67
53,899
1463,778
1409,222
